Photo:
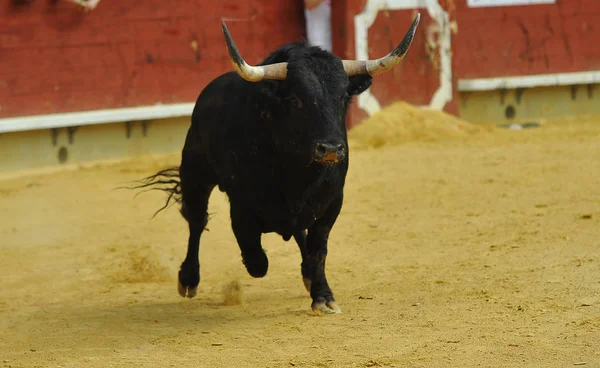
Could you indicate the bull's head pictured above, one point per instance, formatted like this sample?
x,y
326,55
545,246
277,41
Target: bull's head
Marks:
x,y
313,93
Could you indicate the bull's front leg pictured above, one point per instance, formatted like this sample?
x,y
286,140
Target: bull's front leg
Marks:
x,y
300,238
323,301
248,235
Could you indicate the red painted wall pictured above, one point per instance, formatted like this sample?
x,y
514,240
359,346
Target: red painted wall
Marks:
x,y
527,40
55,57
489,42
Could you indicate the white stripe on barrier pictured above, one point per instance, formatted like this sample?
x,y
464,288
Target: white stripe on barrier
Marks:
x,y
68,119
528,81
489,3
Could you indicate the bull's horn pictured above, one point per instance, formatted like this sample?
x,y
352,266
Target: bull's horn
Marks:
x,y
252,73
372,67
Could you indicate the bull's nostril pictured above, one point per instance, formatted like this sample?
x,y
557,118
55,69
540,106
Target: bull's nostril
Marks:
x,y
321,150
329,152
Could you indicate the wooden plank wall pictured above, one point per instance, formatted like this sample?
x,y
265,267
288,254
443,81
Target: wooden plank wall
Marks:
x,y
487,42
54,57
57,58
527,40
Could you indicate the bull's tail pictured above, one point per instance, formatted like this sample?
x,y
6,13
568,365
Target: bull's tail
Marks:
x,y
166,180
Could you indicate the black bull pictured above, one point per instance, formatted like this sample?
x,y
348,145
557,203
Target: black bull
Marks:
x,y
273,137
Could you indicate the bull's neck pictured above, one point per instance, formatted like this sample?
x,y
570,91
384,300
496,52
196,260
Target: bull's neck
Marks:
x,y
300,183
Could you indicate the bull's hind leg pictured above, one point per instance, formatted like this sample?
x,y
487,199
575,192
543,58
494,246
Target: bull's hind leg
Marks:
x,y
323,301
247,231
193,210
195,195
300,238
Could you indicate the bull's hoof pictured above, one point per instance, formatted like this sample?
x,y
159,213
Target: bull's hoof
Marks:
x,y
186,291
307,283
188,280
256,263
326,308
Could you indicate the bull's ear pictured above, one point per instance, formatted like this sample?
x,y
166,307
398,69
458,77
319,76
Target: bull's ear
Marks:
x,y
359,83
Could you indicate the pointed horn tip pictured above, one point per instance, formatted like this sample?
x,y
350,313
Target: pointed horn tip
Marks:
x,y
412,31
417,20
232,49
375,66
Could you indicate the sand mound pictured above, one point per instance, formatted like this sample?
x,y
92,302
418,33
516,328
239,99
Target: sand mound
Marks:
x,y
402,122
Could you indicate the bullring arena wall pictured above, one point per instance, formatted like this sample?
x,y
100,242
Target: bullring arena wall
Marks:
x,y
120,80
485,60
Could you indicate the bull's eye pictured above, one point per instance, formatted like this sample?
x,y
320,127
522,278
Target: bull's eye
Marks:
x,y
265,115
344,106
295,102
345,99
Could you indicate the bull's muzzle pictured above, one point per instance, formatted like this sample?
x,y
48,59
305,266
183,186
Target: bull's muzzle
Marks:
x,y
329,153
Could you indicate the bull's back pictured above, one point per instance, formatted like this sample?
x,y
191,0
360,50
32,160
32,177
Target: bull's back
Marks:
x,y
215,108
226,132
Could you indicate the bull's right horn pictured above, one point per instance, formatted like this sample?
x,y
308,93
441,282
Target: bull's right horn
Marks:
x,y
252,73
372,67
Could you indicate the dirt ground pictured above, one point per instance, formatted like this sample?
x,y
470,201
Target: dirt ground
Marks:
x,y
472,250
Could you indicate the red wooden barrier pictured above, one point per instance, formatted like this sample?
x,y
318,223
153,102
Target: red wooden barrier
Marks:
x,y
54,57
486,42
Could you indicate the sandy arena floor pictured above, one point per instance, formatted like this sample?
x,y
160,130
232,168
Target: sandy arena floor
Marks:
x,y
474,250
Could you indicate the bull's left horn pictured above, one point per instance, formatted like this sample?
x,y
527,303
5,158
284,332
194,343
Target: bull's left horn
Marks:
x,y
252,73
372,67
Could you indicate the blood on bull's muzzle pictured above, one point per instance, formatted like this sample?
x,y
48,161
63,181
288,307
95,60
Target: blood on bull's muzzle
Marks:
x,y
329,153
